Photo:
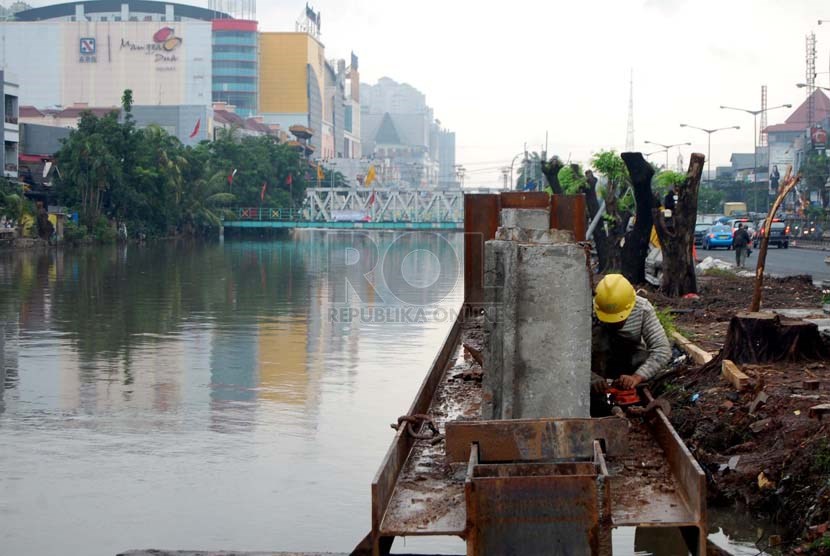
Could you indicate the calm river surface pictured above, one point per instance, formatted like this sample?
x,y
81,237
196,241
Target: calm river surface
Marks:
x,y
207,396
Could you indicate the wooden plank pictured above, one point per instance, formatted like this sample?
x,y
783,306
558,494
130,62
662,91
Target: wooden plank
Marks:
x,y
698,354
733,375
534,439
481,220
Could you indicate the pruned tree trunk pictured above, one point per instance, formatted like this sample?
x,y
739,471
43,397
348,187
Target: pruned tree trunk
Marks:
x,y
678,242
787,185
635,248
592,206
551,171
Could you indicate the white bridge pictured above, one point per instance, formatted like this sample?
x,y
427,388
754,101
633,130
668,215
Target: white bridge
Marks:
x,y
417,206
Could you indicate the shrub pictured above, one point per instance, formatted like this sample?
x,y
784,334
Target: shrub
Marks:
x,y
72,233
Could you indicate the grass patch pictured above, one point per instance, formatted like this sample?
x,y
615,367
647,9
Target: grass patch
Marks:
x,y
666,319
719,272
821,458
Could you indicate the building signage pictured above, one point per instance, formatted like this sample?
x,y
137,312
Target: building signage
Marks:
x,y
87,49
162,48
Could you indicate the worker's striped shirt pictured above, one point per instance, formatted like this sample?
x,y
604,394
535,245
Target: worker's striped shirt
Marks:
x,y
643,326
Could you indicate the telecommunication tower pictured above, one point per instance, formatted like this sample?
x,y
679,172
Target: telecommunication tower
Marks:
x,y
629,134
811,79
237,9
762,136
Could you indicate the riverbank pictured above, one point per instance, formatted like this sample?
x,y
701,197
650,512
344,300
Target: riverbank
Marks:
x,y
22,244
760,446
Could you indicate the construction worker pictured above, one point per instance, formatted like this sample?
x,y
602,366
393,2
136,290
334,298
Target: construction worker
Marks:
x,y
629,345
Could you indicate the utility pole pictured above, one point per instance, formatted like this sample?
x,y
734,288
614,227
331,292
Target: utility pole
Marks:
x,y
754,114
504,173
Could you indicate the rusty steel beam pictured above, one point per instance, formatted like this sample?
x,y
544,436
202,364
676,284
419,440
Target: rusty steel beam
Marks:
x,y
481,220
689,475
535,439
567,212
383,484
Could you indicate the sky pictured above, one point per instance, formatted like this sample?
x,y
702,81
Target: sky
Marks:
x,y
503,74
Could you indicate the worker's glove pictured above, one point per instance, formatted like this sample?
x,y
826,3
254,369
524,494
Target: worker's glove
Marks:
x,y
628,382
598,384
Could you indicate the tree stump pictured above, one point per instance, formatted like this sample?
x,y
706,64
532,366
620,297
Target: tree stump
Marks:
x,y
765,337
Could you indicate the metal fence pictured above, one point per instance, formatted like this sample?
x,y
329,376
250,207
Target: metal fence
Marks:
x,y
268,213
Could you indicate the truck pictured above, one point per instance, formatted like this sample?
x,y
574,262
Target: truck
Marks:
x,y
734,208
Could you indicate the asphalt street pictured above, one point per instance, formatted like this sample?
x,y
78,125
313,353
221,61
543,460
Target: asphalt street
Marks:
x,y
781,262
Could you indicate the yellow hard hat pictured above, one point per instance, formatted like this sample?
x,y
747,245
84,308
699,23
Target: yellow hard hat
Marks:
x,y
614,299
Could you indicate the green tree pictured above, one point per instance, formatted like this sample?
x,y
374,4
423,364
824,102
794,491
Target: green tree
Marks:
x,y
147,179
710,200
666,180
572,179
815,172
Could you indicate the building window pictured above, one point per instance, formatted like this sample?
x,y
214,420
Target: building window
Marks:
x,y
116,18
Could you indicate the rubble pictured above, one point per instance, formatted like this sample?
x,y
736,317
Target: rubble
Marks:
x,y
758,443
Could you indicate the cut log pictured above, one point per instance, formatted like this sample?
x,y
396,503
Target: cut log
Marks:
x,y
734,375
764,337
698,354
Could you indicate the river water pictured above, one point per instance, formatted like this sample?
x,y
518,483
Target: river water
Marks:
x,y
212,396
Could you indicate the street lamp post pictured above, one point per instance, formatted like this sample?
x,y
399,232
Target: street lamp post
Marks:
x,y
755,143
709,133
666,148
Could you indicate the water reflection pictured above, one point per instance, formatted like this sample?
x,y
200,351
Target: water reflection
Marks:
x,y
206,380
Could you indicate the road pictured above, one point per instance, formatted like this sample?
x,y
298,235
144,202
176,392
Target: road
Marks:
x,y
782,262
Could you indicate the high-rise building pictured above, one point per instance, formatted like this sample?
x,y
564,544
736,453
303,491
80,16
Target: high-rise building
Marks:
x,y
11,126
298,86
235,60
399,131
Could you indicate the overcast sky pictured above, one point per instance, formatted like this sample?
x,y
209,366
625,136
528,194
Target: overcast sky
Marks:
x,y
503,73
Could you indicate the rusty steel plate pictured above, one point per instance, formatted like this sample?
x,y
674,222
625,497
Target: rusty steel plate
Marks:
x,y
535,439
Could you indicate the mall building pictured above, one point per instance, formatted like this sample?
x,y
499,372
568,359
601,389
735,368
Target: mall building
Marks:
x,y
87,53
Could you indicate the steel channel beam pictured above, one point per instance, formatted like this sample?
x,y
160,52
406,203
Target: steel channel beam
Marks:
x,y
383,484
689,476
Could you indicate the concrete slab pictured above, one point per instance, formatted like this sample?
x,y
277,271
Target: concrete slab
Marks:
x,y
527,219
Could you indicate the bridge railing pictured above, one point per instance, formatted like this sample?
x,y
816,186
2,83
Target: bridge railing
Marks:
x,y
268,214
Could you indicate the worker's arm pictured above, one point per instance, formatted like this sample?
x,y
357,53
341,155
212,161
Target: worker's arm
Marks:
x,y
659,349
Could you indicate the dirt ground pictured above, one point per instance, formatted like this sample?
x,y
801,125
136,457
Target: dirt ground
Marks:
x,y
760,448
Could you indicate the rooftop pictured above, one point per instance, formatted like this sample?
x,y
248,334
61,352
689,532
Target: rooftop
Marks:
x,y
67,9
799,119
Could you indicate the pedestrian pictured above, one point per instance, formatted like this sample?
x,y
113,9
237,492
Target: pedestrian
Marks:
x,y
740,242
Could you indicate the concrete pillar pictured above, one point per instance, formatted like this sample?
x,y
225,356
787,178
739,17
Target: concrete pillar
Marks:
x,y
539,307
79,12
125,12
169,12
